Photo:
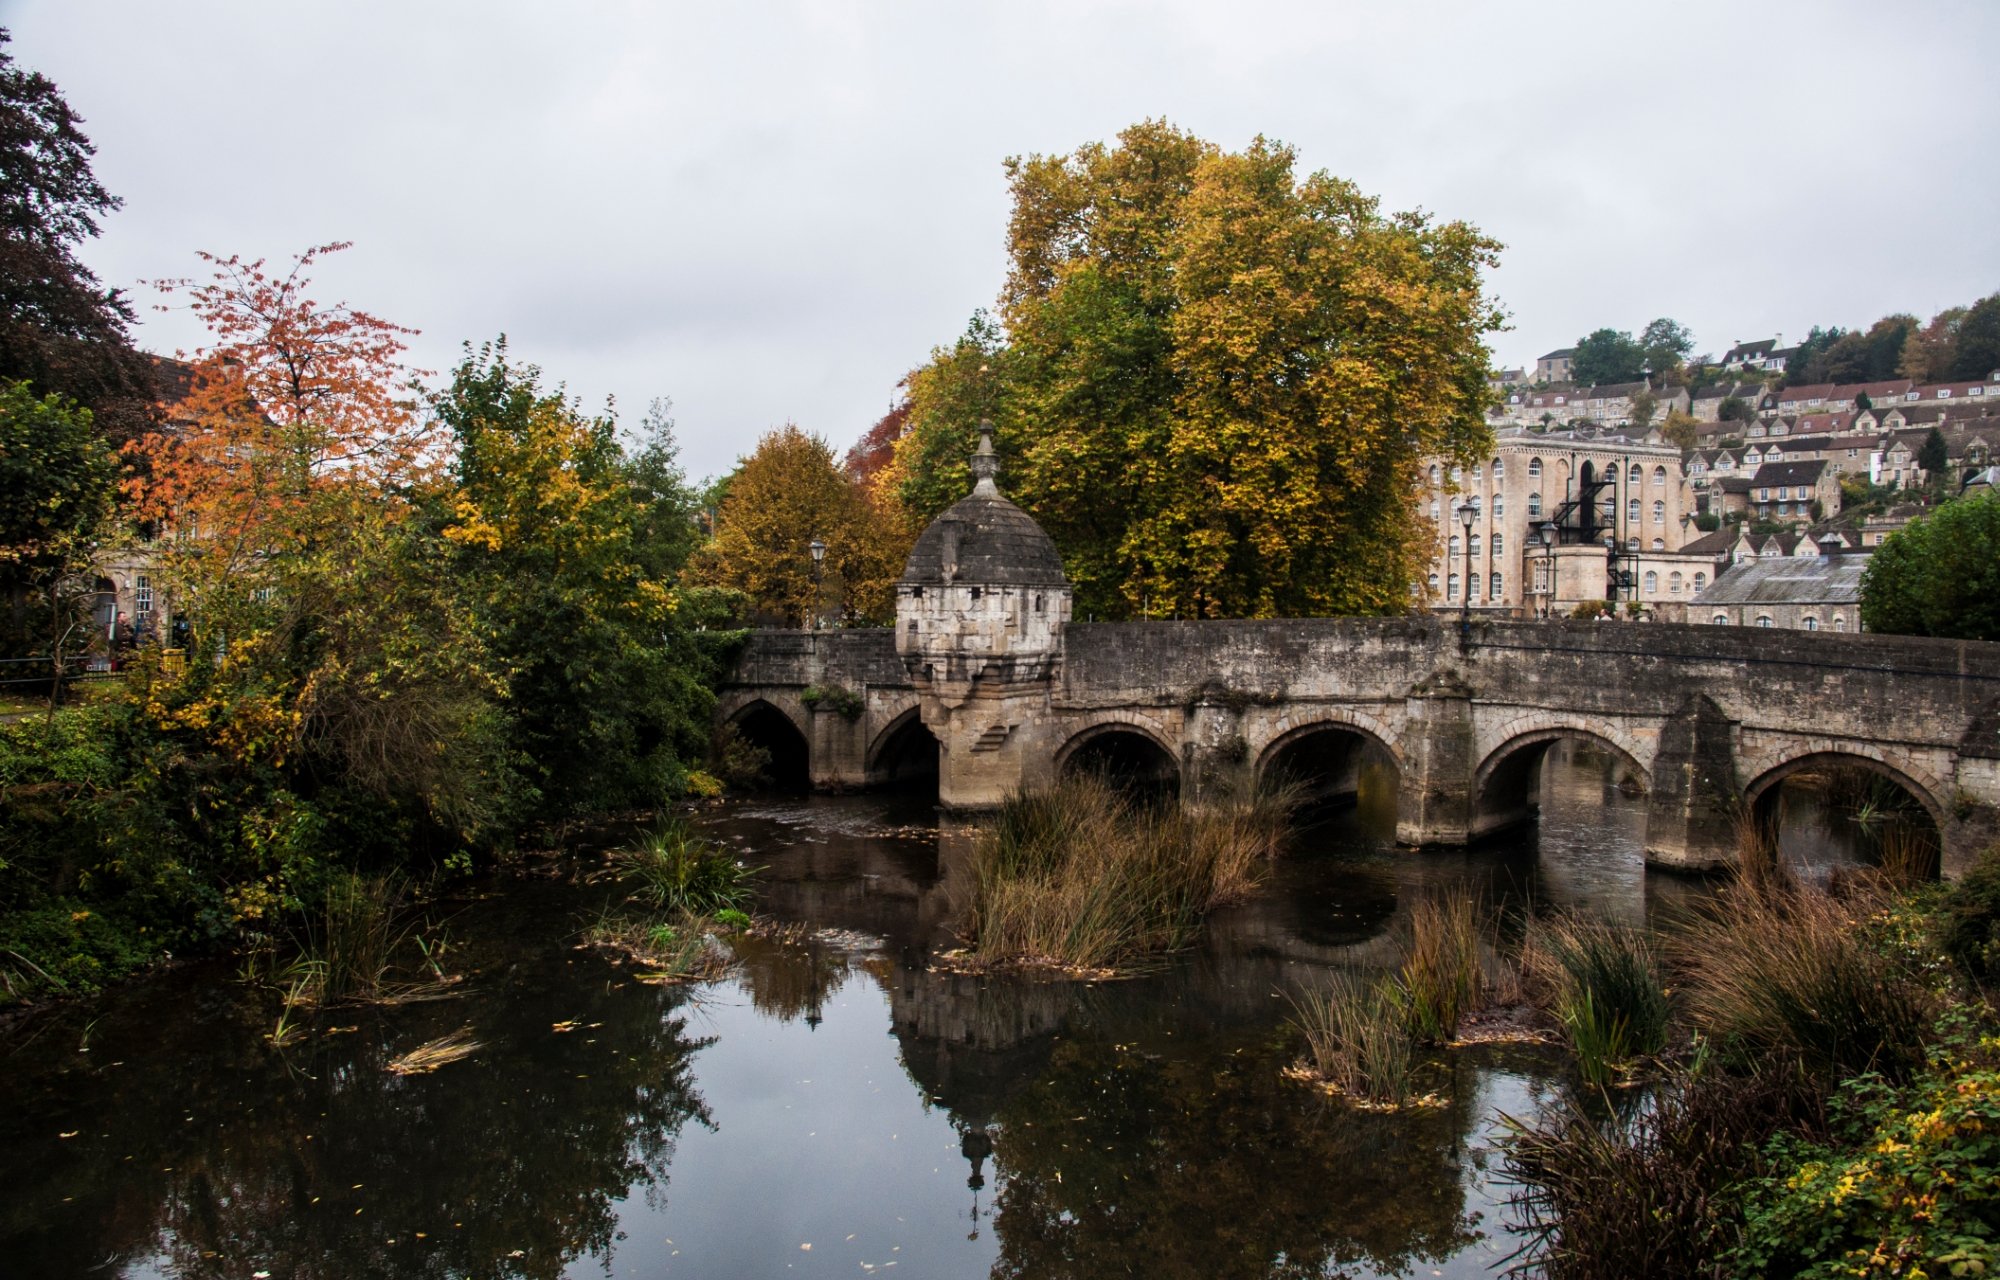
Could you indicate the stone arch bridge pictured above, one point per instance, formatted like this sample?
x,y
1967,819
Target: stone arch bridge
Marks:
x,y
1702,719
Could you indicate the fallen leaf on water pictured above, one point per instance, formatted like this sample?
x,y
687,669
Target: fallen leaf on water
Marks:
x,y
71,1134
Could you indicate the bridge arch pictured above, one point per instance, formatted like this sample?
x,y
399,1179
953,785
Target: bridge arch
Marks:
x,y
1915,781
1506,785
1325,753
904,751
770,727
1127,751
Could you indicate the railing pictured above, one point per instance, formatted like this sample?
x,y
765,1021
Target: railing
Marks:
x,y
37,679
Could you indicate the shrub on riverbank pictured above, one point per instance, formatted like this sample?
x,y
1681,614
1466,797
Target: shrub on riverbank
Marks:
x,y
1082,877
1358,1038
675,870
1602,984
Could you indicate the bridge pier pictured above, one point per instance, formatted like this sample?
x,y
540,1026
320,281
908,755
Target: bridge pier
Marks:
x,y
1434,802
1692,809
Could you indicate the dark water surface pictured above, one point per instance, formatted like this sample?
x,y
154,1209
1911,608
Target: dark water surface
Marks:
x,y
834,1108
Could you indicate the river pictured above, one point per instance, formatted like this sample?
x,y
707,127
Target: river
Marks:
x,y
835,1107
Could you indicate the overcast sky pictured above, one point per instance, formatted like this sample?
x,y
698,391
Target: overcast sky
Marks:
x,y
770,212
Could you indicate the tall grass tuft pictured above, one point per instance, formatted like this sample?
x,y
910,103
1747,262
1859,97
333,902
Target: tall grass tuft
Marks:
x,y
1758,864
675,870
357,937
1358,1038
1795,979
1643,1194
1907,852
1604,987
1081,877
1440,977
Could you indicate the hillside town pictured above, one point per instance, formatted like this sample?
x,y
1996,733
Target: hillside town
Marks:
x,y
1725,499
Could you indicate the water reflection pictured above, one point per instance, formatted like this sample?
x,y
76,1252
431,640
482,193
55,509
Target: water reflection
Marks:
x,y
838,1092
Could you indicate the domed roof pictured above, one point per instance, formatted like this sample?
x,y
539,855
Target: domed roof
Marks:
x,y
983,539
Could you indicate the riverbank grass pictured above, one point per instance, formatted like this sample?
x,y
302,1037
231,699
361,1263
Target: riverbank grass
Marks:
x,y
1602,984
691,893
1083,879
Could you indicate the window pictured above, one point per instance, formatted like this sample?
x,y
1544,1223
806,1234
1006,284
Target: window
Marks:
x,y
1473,502
1659,513
1434,509
1499,470
1700,581
1659,544
1474,544
1534,504
1632,511
1631,544
1659,477
1472,589
1810,623
1673,584
1763,495
1720,620
1763,619
1434,475
1454,546
1840,622
143,595
1434,584
1458,475
1652,583
1534,468
1499,506
1451,587
1499,545
1477,475
1494,587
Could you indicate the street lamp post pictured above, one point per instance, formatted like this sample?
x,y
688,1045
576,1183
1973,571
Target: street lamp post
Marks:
x,y
1549,536
1467,513
818,548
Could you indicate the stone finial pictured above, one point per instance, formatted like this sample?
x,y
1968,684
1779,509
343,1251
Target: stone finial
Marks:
x,y
985,463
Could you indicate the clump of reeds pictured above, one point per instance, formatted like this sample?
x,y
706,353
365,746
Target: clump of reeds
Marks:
x,y
1643,1193
1603,985
676,948
432,1054
1759,866
675,870
1440,977
1081,877
1358,1039
357,937
1907,853
1794,978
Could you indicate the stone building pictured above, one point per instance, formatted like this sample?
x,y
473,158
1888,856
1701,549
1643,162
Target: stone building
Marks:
x,y
1616,505
1556,366
1790,592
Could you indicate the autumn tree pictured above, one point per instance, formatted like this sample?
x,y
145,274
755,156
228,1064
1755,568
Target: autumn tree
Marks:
x,y
788,493
1932,351
1217,379
61,330
566,549
1976,346
1681,429
871,454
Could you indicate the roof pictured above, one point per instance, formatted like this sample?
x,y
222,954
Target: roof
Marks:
x,y
1763,346
1789,580
1560,353
1789,473
983,539
1716,544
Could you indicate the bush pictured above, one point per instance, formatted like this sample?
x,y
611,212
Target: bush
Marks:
x,y
1910,1192
1969,919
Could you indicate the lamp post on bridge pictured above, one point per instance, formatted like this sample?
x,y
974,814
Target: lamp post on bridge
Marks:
x,y
818,549
1549,535
1467,513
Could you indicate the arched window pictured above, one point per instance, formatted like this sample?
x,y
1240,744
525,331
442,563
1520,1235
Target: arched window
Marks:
x,y
1659,477
1458,475
1763,619
1451,587
1652,583
1499,545
1810,623
1700,582
1472,589
1635,475
1474,547
1659,512
1631,544
1473,501
1499,470
1534,468
1495,587
1433,584
1454,546
1632,511
1499,505
1673,584
1535,503
1434,509
1659,544
1720,619
1477,474
1434,475
1840,622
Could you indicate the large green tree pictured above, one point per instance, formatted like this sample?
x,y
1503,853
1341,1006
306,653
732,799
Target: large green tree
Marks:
x,y
1977,341
60,329
1939,575
57,483
1217,378
1608,356
1667,344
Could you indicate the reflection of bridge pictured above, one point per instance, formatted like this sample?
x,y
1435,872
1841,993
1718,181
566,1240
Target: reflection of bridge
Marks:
x,y
1702,718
